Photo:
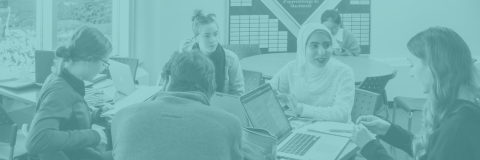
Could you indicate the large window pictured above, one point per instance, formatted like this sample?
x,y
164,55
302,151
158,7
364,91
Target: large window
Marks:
x,y
17,36
73,14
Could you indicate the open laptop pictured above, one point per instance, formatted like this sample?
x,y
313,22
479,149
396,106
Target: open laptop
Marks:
x,y
122,77
264,111
123,81
231,104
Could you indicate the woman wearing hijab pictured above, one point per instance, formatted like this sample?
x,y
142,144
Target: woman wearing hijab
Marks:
x,y
313,85
228,72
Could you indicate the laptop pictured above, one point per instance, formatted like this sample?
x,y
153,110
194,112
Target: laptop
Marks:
x,y
122,78
231,104
264,111
43,65
124,84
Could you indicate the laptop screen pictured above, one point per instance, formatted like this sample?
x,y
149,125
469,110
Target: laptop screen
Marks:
x,y
265,112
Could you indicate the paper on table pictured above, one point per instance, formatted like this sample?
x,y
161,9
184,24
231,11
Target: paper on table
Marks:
x,y
141,94
326,127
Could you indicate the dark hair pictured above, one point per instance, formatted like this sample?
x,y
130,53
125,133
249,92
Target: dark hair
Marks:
x,y
333,15
199,18
450,62
190,71
85,44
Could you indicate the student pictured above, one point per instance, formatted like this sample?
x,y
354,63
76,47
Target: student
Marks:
x,y
228,72
314,85
62,126
179,123
344,43
451,116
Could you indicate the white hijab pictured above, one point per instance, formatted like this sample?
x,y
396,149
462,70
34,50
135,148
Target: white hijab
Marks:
x,y
313,79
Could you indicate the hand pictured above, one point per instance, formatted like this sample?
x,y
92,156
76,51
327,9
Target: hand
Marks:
x,y
103,136
291,102
361,135
107,107
374,124
186,45
337,51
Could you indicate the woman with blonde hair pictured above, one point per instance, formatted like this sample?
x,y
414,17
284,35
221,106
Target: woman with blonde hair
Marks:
x,y
442,63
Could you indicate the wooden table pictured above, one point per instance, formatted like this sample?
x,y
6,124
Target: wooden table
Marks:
x,y
270,64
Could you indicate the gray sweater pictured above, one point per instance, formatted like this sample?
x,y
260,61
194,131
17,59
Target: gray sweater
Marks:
x,y
176,125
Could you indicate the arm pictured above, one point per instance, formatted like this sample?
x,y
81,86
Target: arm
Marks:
x,y
399,138
341,107
236,81
350,44
45,136
236,150
373,150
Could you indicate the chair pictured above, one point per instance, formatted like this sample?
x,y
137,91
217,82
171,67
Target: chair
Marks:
x,y
377,85
244,50
364,104
8,134
252,80
410,105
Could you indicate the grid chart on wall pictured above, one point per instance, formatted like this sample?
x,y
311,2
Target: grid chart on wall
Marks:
x,y
251,22
258,29
359,25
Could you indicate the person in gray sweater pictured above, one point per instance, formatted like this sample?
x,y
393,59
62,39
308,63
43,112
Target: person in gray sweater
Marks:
x,y
179,123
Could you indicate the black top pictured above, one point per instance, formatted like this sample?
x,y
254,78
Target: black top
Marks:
x,y
458,137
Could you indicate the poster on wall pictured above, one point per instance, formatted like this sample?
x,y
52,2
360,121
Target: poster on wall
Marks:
x,y
272,24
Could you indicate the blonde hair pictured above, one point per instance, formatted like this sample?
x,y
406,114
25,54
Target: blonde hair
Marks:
x,y
450,62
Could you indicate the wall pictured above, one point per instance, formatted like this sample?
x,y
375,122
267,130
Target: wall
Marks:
x,y
161,25
395,22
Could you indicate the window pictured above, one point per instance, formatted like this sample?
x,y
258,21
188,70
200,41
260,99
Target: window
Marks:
x,y
17,36
73,14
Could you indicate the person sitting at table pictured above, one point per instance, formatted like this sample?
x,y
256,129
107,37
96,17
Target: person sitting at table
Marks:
x,y
228,72
314,85
62,125
451,116
344,42
179,123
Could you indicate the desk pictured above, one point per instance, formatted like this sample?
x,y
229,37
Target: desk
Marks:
x,y
19,147
26,95
270,64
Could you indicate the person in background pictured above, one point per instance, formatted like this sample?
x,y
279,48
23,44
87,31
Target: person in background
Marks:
x,y
313,85
440,61
344,43
228,72
62,125
179,123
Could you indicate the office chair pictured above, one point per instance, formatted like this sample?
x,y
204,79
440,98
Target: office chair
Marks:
x,y
365,103
377,85
252,80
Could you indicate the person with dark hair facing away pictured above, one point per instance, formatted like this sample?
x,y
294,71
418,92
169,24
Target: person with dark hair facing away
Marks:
x,y
179,122
62,126
228,72
344,42
441,62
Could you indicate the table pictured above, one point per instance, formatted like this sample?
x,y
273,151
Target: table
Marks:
x,y
26,95
270,64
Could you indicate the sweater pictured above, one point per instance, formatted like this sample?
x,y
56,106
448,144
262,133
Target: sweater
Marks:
x,y
334,103
348,43
62,123
456,138
234,81
176,125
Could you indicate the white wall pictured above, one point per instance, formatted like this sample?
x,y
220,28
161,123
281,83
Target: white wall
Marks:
x,y
394,22
160,25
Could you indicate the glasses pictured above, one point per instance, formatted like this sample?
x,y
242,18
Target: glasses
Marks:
x,y
105,64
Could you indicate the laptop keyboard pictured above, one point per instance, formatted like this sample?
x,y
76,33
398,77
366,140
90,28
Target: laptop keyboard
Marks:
x,y
299,144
